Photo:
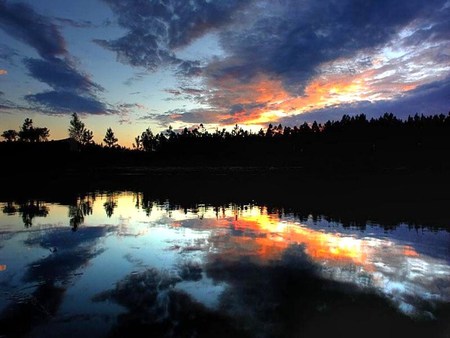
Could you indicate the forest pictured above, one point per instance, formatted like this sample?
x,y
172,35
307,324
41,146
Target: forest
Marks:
x,y
353,143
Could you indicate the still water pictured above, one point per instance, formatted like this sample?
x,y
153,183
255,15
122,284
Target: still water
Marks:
x,y
118,264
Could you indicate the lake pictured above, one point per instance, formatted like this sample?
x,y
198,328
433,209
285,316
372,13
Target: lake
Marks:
x,y
113,264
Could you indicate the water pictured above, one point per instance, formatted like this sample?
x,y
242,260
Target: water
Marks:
x,y
119,264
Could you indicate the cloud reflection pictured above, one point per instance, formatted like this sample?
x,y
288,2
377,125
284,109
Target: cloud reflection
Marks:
x,y
197,241
395,269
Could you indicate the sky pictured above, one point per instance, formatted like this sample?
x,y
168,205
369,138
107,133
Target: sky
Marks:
x,y
135,64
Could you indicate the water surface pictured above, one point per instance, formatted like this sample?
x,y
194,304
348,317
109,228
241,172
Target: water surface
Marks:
x,y
116,264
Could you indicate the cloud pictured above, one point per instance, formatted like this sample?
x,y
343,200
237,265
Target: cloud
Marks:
x,y
185,117
6,106
73,90
3,72
60,75
432,98
290,39
135,78
434,28
189,68
57,102
289,57
75,23
155,29
7,54
23,23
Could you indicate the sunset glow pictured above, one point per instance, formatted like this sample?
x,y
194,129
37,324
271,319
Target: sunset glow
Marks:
x,y
218,63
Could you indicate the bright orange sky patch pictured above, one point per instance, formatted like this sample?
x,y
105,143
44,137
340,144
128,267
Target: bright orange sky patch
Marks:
x,y
266,99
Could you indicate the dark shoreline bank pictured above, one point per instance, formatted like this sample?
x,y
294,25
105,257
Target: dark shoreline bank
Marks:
x,y
418,198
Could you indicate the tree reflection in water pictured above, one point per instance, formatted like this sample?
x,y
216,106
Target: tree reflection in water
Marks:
x,y
110,204
231,270
28,210
82,207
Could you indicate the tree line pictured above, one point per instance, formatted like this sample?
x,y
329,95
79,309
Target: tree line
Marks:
x,y
77,131
27,133
357,125
353,142
349,126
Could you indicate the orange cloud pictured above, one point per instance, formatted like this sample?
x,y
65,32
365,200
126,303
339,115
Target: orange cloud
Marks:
x,y
265,99
3,72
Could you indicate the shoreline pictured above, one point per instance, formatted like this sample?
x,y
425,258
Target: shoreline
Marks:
x,y
415,198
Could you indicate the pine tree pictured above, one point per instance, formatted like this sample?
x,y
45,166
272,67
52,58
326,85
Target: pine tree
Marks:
x,y
79,132
76,128
110,138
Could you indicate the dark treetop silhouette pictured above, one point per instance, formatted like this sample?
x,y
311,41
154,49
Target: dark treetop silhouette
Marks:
x,y
350,145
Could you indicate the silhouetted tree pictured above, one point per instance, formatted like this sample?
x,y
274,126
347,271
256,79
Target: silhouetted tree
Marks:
x,y
148,140
110,139
41,134
10,135
28,133
76,128
137,143
79,132
88,137
25,132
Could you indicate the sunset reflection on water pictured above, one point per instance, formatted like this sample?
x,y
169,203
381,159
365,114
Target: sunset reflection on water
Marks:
x,y
101,239
388,265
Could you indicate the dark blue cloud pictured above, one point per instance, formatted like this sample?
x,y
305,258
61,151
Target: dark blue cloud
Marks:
x,y
189,68
155,28
23,23
75,23
433,98
7,54
140,49
61,75
5,104
436,29
286,39
290,39
58,102
73,90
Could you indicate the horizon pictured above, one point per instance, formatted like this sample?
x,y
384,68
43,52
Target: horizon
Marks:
x,y
133,65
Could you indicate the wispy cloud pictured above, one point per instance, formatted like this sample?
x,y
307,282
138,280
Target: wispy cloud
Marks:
x,y
288,58
75,23
156,29
8,55
432,98
73,90
23,23
58,102
61,74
